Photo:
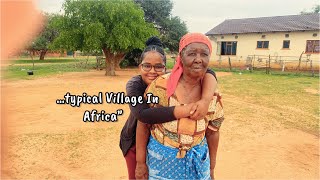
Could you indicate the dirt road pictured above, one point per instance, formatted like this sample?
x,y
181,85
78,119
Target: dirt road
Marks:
x,y
50,141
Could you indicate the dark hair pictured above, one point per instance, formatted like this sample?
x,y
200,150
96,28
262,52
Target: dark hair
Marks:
x,y
154,44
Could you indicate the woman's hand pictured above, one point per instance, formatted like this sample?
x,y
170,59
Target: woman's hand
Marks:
x,y
142,171
200,109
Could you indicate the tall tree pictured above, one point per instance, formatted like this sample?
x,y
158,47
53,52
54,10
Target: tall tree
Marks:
x,y
315,9
172,32
116,27
171,28
42,43
156,11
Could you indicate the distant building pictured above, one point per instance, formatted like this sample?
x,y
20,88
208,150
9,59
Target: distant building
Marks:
x,y
275,36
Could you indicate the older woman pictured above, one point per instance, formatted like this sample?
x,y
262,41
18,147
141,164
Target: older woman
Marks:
x,y
151,67
184,148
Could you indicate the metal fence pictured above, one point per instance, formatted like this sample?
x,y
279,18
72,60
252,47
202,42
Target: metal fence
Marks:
x,y
307,63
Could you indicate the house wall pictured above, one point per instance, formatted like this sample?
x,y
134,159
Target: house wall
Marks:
x,y
247,44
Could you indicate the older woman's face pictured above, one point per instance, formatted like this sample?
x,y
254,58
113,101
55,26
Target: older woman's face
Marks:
x,y
195,59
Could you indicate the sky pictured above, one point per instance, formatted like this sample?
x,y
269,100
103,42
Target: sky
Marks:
x,y
203,15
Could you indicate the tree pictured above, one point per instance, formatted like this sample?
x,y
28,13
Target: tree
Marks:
x,y
116,27
46,37
171,28
315,9
155,11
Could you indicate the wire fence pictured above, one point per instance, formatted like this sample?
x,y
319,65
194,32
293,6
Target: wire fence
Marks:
x,y
305,63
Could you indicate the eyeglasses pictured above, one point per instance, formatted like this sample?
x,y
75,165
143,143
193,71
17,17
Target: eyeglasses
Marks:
x,y
157,67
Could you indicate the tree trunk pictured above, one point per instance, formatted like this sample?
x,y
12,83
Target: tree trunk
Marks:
x,y
119,57
118,65
110,69
42,54
112,61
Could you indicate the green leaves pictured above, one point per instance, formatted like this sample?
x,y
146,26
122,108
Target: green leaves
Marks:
x,y
156,10
171,28
174,30
93,34
315,9
48,34
92,25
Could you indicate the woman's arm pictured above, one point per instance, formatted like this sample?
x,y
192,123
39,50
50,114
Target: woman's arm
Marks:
x,y
143,113
213,142
209,86
142,137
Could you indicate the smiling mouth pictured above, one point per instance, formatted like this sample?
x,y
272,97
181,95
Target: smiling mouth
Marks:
x,y
152,77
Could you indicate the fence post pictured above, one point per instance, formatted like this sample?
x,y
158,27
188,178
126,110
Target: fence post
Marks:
x,y
254,58
300,61
266,66
32,60
312,70
251,65
269,65
283,65
230,67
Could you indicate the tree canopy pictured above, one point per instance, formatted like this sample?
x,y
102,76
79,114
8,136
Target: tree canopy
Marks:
x,y
156,11
315,9
116,27
171,28
43,41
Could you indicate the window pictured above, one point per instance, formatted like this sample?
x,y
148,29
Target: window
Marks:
x,y
286,44
263,36
262,44
229,48
287,35
313,46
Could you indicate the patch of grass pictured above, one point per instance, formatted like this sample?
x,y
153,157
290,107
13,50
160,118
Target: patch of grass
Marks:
x,y
283,95
44,61
170,63
37,61
41,70
263,72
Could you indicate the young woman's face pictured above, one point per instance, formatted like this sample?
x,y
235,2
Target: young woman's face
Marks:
x,y
151,66
195,59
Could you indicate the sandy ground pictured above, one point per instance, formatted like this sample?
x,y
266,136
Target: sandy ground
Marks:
x,y
50,141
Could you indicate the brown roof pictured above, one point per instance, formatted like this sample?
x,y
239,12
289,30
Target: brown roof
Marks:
x,y
268,24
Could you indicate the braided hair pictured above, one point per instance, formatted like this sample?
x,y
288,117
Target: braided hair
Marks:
x,y
154,44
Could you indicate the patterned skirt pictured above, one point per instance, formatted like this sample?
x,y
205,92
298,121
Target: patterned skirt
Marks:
x,y
163,164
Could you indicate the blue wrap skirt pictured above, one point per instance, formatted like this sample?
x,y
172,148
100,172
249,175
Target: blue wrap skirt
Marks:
x,y
163,164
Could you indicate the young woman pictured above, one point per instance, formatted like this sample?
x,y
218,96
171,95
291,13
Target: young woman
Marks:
x,y
152,65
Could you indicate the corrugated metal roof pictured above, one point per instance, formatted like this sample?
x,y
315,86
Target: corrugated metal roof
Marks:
x,y
268,24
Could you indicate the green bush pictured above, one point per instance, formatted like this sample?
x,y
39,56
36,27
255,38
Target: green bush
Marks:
x,y
124,63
